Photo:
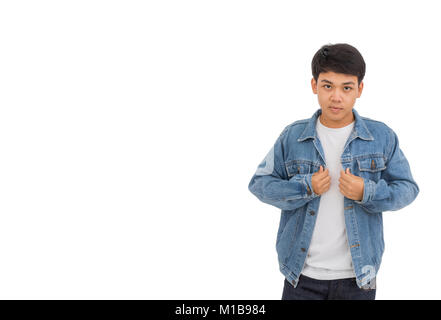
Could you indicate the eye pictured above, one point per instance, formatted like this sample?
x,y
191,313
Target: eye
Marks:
x,y
327,85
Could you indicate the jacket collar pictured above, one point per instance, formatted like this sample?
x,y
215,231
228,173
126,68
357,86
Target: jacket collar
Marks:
x,y
360,130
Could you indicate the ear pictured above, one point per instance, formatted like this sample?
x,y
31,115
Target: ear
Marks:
x,y
360,89
314,85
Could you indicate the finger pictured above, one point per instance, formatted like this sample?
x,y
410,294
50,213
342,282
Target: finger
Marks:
x,y
342,180
319,174
324,176
343,187
345,176
349,173
343,191
318,171
325,171
346,190
323,189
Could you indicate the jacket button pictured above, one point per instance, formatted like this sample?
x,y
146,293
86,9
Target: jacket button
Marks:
x,y
312,212
303,249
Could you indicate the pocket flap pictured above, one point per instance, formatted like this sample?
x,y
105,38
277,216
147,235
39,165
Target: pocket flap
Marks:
x,y
372,163
294,167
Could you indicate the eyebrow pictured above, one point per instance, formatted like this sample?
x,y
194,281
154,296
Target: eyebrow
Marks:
x,y
349,82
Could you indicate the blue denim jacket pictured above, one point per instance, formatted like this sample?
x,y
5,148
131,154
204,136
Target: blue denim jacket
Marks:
x,y
283,179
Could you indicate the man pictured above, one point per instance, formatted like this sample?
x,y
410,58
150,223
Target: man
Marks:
x,y
333,175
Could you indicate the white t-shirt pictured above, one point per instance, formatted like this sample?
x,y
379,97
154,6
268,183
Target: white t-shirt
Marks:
x,y
329,256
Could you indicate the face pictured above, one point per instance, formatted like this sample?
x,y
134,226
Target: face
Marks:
x,y
336,93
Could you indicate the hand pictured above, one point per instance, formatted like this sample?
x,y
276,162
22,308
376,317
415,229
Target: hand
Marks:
x,y
351,186
321,181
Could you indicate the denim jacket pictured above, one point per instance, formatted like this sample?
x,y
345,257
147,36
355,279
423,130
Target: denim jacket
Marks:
x,y
283,179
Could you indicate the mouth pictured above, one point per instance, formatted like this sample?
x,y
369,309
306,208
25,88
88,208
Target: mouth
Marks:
x,y
334,109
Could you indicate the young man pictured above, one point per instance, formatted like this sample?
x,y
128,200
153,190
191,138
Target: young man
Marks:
x,y
332,176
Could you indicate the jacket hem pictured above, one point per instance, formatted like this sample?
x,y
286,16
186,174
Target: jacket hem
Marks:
x,y
289,275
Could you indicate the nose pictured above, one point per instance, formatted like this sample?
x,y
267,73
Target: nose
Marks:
x,y
336,96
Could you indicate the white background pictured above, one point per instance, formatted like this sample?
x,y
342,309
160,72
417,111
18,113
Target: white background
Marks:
x,y
129,131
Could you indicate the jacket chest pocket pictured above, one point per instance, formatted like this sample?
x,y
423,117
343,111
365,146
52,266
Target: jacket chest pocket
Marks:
x,y
294,167
371,166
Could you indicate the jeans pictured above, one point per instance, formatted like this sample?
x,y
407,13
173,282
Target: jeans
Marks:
x,y
313,289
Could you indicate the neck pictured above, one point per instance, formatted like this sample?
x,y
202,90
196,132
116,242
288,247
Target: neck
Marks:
x,y
336,124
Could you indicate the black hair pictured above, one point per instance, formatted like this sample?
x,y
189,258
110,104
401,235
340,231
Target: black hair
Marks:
x,y
338,58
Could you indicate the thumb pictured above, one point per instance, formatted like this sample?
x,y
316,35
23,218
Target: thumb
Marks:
x,y
348,171
321,169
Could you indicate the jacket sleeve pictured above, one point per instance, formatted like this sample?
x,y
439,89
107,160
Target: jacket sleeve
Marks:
x,y
271,185
396,188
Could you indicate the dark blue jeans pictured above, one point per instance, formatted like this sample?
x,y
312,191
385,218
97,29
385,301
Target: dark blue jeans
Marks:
x,y
313,289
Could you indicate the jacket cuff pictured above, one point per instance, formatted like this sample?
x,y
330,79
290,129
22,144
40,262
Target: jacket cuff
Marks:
x,y
308,186
368,191
305,181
